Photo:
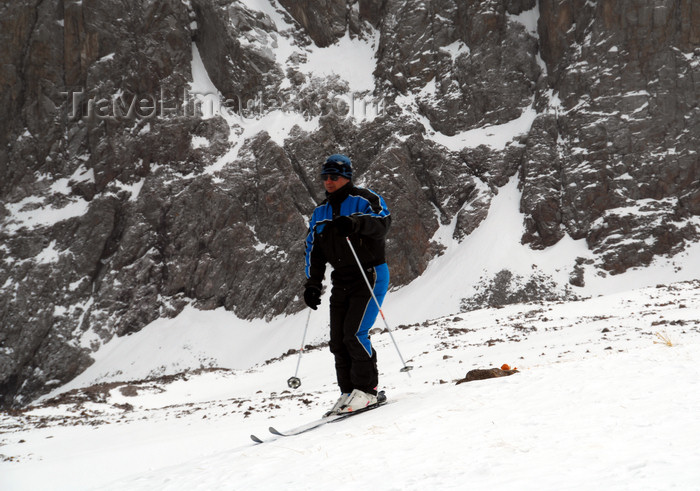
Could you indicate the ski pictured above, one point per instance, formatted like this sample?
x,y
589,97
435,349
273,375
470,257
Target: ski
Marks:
x,y
301,429
381,400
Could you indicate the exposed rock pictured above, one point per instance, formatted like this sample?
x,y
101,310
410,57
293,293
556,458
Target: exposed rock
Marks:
x,y
444,51
66,148
237,49
325,21
506,288
541,179
625,130
121,203
485,373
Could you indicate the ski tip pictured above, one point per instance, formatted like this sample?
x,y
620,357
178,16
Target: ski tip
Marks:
x,y
255,439
274,431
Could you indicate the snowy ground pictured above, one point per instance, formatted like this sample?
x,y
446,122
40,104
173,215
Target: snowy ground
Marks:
x,y
599,401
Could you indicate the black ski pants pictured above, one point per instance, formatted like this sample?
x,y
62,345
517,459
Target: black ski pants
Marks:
x,y
353,312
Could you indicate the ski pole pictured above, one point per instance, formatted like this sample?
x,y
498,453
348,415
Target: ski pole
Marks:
x,y
294,382
406,368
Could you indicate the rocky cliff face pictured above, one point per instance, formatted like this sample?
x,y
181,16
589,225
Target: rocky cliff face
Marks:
x,y
122,200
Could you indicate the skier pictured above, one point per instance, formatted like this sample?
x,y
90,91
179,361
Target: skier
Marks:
x,y
362,216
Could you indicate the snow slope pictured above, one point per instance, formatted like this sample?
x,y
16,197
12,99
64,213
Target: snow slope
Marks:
x,y
599,401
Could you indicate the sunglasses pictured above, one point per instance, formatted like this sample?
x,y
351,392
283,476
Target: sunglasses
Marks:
x,y
332,177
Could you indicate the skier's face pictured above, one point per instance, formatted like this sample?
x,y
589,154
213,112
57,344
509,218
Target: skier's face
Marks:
x,y
332,186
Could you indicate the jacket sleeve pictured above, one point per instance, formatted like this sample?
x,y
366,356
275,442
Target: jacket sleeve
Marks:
x,y
315,259
374,221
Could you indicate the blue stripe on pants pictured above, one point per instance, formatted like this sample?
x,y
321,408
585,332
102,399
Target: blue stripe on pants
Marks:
x,y
381,285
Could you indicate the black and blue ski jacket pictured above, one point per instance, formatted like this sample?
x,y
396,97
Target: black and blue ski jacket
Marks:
x,y
324,245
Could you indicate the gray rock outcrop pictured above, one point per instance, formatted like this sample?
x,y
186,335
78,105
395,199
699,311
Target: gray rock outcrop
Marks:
x,y
121,203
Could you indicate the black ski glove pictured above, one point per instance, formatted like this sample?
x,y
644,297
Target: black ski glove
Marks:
x,y
312,297
346,225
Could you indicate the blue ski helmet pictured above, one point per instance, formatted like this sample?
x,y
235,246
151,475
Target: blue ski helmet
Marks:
x,y
337,164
